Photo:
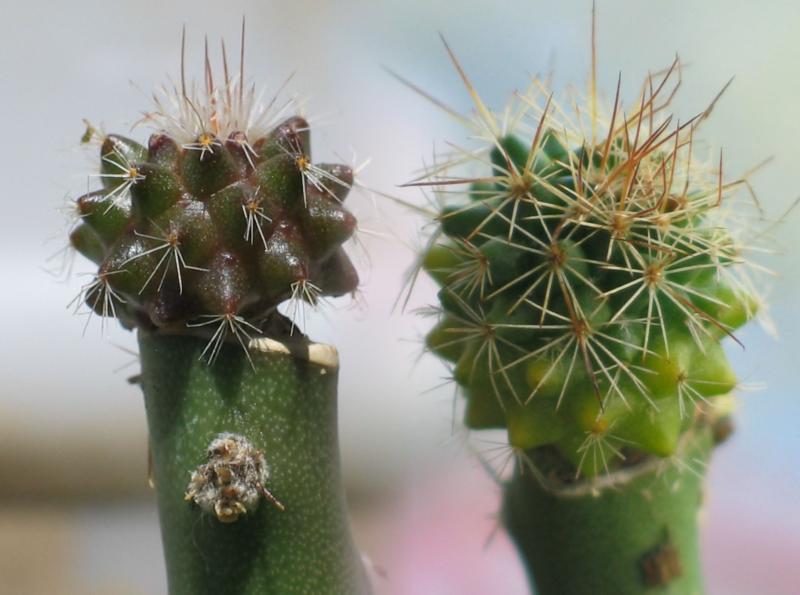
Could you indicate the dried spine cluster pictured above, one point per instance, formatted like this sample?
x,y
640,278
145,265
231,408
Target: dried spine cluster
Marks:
x,y
233,480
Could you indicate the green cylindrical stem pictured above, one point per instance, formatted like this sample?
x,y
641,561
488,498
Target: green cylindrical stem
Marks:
x,y
636,537
285,405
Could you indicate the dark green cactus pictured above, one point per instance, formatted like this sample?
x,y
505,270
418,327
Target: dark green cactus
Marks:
x,y
199,236
215,231
589,268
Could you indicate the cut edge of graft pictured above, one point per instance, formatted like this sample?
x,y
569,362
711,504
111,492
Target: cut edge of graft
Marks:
x,y
617,479
316,353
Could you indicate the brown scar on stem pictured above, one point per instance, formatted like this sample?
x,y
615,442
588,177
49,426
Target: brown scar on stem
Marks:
x,y
661,565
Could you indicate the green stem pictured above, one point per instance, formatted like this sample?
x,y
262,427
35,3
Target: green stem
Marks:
x,y
286,406
638,536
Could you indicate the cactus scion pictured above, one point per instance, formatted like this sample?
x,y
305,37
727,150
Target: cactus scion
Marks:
x,y
586,282
192,231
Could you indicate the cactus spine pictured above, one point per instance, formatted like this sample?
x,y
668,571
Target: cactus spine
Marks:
x,y
590,267
199,235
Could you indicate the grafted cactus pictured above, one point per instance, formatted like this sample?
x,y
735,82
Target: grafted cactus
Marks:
x,y
590,267
199,236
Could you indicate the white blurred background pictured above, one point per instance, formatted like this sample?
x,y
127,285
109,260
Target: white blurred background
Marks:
x,y
75,513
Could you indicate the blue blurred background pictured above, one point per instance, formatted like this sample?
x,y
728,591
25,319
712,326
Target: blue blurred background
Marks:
x,y
76,515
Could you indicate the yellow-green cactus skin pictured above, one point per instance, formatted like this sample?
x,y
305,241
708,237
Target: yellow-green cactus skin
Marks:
x,y
586,282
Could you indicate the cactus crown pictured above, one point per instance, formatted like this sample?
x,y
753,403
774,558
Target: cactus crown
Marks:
x,y
588,272
218,219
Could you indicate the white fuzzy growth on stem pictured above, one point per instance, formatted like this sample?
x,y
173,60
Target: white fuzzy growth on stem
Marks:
x,y
233,480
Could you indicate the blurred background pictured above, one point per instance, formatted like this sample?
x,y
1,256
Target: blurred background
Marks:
x,y
76,515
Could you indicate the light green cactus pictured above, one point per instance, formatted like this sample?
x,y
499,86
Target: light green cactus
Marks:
x,y
589,268
199,235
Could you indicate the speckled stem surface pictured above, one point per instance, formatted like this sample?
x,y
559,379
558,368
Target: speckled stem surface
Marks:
x,y
639,537
286,406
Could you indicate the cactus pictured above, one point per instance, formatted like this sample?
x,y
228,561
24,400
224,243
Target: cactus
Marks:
x,y
589,268
199,235
214,225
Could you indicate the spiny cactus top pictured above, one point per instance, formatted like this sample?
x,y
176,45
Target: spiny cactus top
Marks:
x,y
217,220
588,272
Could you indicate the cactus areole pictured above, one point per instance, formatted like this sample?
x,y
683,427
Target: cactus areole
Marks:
x,y
199,235
589,267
